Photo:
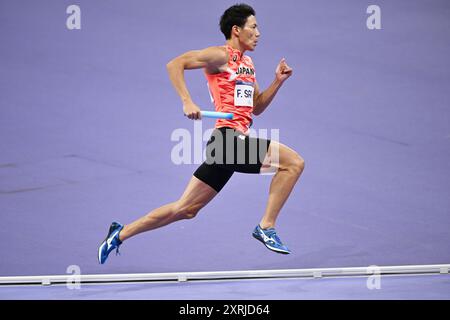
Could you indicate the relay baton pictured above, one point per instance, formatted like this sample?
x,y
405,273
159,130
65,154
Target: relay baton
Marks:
x,y
216,115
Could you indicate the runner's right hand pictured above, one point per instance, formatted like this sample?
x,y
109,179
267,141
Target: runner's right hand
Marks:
x,y
192,111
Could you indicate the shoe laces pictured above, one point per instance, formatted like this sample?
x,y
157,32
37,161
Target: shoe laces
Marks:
x,y
273,234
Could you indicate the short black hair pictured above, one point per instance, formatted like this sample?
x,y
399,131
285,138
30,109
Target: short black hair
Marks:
x,y
235,16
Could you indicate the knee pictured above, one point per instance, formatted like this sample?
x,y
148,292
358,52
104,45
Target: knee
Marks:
x,y
185,210
296,164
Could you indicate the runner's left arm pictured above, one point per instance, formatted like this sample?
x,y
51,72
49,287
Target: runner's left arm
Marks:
x,y
261,100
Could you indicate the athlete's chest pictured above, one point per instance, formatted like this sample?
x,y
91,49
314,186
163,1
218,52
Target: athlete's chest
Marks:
x,y
242,77
240,69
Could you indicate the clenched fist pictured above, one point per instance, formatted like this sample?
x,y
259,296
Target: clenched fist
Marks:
x,y
283,71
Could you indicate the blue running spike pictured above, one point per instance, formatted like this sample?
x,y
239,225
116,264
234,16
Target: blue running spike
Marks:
x,y
110,243
270,239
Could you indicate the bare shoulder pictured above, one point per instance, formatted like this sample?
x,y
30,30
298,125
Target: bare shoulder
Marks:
x,y
218,54
217,57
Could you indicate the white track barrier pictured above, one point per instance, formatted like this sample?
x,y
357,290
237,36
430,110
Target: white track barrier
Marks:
x,y
227,275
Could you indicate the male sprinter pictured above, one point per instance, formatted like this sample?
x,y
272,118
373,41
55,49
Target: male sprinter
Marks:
x,y
233,87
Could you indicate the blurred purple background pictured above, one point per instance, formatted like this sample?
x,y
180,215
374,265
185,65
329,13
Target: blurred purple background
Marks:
x,y
86,118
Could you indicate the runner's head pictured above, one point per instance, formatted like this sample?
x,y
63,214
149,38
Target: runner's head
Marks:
x,y
239,22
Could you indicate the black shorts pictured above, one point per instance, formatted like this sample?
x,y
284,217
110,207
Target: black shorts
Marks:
x,y
229,151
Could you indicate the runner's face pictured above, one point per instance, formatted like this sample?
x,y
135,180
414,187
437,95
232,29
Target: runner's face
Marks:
x,y
249,34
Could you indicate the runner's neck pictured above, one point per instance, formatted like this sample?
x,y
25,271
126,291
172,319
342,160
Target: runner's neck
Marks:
x,y
234,44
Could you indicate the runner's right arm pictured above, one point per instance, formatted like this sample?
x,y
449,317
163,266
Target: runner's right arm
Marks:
x,y
211,59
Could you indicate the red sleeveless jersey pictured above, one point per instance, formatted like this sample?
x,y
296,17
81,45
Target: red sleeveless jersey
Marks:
x,y
232,91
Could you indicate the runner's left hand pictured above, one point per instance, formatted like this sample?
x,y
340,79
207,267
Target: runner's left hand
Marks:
x,y
283,71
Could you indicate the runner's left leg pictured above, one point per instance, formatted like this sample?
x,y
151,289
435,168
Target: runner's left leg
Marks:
x,y
196,195
288,166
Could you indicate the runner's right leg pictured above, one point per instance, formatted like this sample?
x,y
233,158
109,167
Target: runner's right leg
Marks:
x,y
196,195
